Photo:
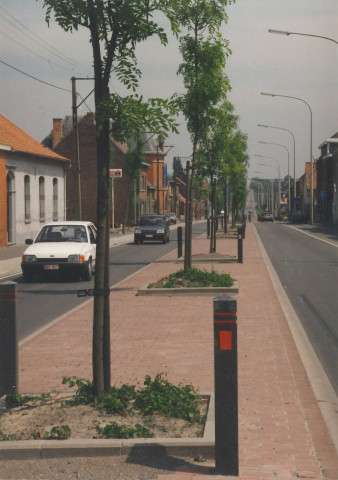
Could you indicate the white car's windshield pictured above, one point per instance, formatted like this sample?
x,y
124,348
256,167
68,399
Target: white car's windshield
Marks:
x,y
62,233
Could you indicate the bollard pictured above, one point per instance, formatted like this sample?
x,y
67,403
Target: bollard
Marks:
x,y
208,227
226,385
179,242
8,339
240,246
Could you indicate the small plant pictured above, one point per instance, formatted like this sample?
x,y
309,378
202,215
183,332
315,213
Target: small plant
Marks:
x,y
161,396
14,399
62,432
193,277
6,438
85,390
118,400
113,430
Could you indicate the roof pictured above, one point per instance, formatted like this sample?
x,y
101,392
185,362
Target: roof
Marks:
x,y
20,141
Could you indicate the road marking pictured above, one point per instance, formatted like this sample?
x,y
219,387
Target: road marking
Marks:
x,y
312,236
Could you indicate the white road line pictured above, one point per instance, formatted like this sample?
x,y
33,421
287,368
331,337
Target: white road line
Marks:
x,y
312,236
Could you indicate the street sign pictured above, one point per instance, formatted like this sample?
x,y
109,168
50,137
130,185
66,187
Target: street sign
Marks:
x,y
115,172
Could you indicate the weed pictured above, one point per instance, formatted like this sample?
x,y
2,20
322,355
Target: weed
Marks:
x,y
193,277
62,432
6,438
85,390
159,395
113,430
14,399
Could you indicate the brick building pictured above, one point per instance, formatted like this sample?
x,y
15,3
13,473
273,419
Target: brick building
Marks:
x,y
32,181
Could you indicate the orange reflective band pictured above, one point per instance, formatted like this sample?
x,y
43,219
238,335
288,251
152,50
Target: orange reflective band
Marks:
x,y
225,340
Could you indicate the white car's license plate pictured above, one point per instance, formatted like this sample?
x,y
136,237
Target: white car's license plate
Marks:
x,y
149,236
51,267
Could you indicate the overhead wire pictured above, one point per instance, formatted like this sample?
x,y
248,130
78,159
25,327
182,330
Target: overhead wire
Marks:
x,y
42,43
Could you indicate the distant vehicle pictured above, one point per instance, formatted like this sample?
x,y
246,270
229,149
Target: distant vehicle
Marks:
x,y
151,228
267,217
61,248
171,217
299,217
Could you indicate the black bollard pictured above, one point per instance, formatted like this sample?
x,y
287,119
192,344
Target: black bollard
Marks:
x,y
179,241
240,245
208,227
8,339
226,385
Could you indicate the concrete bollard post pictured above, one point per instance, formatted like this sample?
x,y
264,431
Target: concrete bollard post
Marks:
x,y
179,241
240,246
226,385
8,339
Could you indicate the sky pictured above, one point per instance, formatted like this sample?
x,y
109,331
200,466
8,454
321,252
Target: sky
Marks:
x,y
297,66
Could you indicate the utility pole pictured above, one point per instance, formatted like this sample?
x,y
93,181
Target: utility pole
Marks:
x,y
78,210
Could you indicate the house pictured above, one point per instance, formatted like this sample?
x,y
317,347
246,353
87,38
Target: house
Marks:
x,y
32,184
327,207
61,140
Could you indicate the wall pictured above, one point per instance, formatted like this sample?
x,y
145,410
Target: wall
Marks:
x,y
35,167
3,200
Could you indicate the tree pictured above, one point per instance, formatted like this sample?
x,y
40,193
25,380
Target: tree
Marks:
x,y
204,53
115,28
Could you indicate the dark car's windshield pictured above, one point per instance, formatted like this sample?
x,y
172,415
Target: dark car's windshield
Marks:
x,y
62,233
151,221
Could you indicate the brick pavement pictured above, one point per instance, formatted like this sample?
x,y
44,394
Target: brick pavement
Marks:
x,y
281,431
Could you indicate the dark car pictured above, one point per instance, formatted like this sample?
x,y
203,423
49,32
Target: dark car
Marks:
x,y
267,217
298,217
171,217
151,228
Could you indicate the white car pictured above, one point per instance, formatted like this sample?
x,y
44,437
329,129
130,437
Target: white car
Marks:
x,y
61,248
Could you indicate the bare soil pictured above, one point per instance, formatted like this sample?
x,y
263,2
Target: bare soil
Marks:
x,y
34,419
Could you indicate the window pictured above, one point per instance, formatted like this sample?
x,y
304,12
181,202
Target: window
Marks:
x,y
27,199
143,182
55,199
42,199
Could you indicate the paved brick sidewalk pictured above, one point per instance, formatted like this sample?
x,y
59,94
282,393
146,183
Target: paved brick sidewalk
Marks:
x,y
281,431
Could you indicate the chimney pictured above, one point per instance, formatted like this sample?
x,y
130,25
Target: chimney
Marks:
x,y
57,131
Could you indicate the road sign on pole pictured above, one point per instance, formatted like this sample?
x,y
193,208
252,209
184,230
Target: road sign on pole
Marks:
x,y
115,172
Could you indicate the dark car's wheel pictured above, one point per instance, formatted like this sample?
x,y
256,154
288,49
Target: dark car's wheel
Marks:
x,y
164,240
88,272
168,239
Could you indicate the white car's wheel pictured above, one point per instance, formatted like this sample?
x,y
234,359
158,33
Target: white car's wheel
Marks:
x,y
89,271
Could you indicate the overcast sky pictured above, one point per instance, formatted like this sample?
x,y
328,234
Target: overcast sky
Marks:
x,y
294,65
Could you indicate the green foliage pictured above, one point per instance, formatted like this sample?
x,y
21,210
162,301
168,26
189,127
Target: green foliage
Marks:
x,y
14,399
114,430
161,396
118,400
84,393
6,438
193,277
62,432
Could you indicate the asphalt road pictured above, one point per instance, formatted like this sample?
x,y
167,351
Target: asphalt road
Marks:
x,y
40,303
307,266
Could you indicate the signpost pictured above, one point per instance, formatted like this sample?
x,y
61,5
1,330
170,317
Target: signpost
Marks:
x,y
114,173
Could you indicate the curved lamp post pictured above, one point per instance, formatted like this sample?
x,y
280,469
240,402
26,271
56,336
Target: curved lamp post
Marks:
x,y
294,155
287,151
311,156
283,32
277,166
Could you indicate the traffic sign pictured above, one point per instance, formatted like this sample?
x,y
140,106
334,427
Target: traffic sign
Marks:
x,y
115,172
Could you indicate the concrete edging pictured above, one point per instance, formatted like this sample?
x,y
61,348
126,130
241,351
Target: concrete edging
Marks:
x,y
171,292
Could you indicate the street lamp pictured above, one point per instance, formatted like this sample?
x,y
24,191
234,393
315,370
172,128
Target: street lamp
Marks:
x,y
294,155
283,32
277,166
280,145
311,156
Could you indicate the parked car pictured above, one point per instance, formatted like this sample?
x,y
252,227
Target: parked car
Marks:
x,y
171,217
267,217
61,248
151,228
298,217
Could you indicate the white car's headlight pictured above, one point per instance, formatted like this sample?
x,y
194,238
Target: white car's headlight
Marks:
x,y
138,231
28,258
160,231
76,258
